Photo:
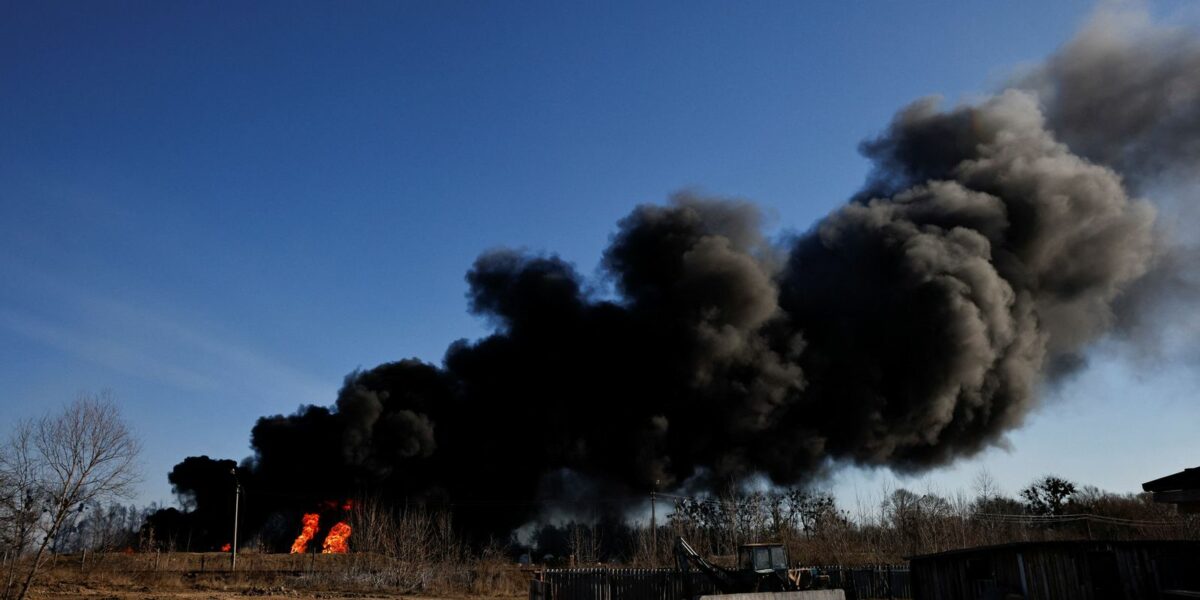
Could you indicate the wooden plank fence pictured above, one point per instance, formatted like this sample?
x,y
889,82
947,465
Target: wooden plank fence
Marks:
x,y
890,582
614,584
880,582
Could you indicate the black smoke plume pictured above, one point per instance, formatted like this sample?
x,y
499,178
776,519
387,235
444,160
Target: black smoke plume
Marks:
x,y
910,327
1126,93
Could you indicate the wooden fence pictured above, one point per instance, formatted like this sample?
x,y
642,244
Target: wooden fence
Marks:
x,y
614,584
890,582
188,562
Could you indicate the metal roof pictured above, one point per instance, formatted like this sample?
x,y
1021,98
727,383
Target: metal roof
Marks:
x,y
1054,543
1187,479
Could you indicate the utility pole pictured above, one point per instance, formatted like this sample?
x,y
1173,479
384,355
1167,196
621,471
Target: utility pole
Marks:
x,y
653,523
237,497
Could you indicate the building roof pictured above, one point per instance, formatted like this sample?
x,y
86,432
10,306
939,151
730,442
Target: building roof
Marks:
x,y
1055,544
1187,479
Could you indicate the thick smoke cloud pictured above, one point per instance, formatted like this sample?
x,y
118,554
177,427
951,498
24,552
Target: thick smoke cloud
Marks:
x,y
966,273
1126,93
910,327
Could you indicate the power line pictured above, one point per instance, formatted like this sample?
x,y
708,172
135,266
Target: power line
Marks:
x,y
1075,517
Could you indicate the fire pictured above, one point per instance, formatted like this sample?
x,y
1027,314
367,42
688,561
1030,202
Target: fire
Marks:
x,y
225,548
311,522
334,504
337,542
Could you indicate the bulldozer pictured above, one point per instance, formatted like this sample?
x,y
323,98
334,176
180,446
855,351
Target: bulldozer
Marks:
x,y
762,572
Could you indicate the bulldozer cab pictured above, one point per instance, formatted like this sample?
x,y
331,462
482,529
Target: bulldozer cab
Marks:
x,y
762,558
760,568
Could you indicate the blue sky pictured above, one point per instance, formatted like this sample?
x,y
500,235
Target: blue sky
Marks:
x,y
216,210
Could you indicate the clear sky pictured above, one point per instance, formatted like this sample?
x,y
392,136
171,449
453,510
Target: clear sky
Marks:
x,y
218,209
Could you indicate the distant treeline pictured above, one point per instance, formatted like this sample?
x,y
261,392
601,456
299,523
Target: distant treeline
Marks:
x,y
893,524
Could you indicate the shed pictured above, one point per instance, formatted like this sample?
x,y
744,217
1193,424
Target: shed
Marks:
x,y
1181,489
1067,570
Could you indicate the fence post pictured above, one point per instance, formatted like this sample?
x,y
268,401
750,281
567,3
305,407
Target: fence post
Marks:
x,y
889,582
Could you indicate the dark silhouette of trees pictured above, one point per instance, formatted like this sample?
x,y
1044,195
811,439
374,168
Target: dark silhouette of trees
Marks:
x,y
1048,495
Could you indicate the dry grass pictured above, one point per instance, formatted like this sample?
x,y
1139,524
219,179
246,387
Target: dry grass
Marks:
x,y
116,576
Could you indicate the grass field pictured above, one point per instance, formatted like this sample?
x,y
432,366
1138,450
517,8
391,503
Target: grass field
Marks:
x,y
187,576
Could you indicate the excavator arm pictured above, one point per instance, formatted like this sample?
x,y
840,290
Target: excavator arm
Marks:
x,y
688,560
746,585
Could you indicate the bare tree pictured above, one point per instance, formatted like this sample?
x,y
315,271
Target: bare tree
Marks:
x,y
83,454
986,486
809,508
20,499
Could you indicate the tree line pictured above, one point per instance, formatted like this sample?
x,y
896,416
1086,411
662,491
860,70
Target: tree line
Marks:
x,y
895,524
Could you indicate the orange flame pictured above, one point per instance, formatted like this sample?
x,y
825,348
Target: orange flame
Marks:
x,y
334,504
311,522
225,548
338,540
